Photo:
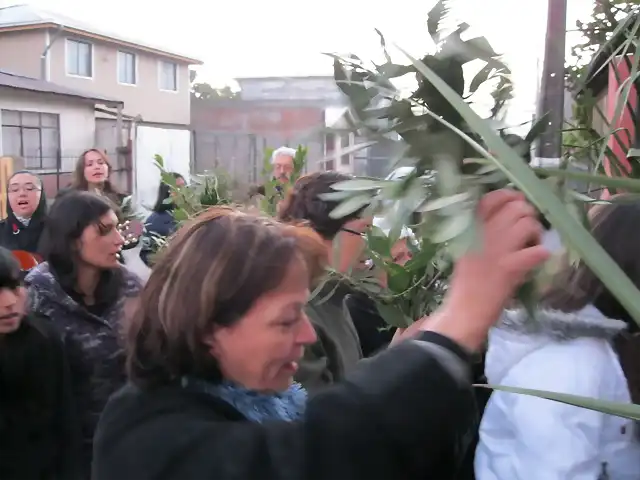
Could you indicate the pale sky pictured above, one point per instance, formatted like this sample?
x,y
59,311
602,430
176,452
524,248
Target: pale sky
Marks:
x,y
286,37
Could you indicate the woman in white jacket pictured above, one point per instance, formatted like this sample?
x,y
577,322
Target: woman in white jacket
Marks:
x,y
581,342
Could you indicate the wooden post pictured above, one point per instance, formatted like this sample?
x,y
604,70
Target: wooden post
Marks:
x,y
551,99
6,170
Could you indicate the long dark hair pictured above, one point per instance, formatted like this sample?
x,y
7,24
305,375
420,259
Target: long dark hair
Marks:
x,y
616,227
79,181
164,191
69,216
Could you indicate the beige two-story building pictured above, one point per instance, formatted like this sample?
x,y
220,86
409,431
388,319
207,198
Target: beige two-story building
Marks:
x,y
152,83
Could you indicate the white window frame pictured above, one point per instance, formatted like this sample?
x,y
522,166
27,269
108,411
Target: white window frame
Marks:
x,y
177,70
66,58
135,68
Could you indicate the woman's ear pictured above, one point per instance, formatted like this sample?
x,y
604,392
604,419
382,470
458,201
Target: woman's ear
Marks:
x,y
211,341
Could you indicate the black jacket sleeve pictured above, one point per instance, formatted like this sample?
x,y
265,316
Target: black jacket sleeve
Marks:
x,y
67,421
397,416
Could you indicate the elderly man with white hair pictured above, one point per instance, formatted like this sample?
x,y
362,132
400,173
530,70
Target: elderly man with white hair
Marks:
x,y
282,161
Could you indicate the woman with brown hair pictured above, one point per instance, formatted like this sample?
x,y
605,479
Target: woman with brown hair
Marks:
x,y
92,174
220,329
582,342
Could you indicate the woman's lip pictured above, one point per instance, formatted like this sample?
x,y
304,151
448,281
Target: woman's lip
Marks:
x,y
293,366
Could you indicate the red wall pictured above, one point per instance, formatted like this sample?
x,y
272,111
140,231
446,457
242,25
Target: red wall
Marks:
x,y
625,125
256,119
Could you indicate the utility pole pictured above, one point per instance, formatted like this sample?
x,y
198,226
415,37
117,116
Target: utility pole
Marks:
x,y
551,96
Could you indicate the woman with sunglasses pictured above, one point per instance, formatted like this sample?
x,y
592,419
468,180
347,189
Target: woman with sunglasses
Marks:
x,y
338,348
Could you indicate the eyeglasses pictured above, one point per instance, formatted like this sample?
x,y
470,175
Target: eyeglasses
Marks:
x,y
27,187
353,232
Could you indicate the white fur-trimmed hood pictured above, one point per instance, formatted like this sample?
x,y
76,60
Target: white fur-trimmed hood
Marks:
x,y
517,335
588,322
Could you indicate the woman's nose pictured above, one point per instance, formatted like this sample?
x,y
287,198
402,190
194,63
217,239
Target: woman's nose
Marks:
x,y
119,239
307,335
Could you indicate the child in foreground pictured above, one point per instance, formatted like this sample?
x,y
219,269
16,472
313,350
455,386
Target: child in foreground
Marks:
x,y
38,431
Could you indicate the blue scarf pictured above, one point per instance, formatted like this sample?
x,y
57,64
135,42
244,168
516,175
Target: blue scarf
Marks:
x,y
255,406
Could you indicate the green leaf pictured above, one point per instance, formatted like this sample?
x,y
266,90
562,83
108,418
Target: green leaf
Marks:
x,y
452,227
449,178
572,232
335,196
633,153
422,258
539,126
436,15
378,242
480,77
392,315
359,184
350,206
159,161
398,278
180,215
444,202
466,240
631,185
625,410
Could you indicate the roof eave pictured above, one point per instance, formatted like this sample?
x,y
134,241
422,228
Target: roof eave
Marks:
x,y
96,101
99,36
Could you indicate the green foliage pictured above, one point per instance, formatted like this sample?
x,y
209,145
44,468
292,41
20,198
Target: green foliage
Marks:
x,y
610,34
447,181
205,92
210,189
274,190
420,119
438,198
414,289
606,16
446,184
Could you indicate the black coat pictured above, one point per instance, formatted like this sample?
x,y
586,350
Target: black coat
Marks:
x,y
373,331
39,431
401,415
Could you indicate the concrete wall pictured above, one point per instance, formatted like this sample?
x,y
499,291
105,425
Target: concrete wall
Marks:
x,y
234,134
20,52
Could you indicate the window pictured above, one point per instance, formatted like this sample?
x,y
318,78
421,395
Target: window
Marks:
x,y
168,76
79,58
329,143
329,165
345,143
33,136
127,73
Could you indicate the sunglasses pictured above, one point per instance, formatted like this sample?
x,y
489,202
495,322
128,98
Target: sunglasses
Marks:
x,y
353,232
